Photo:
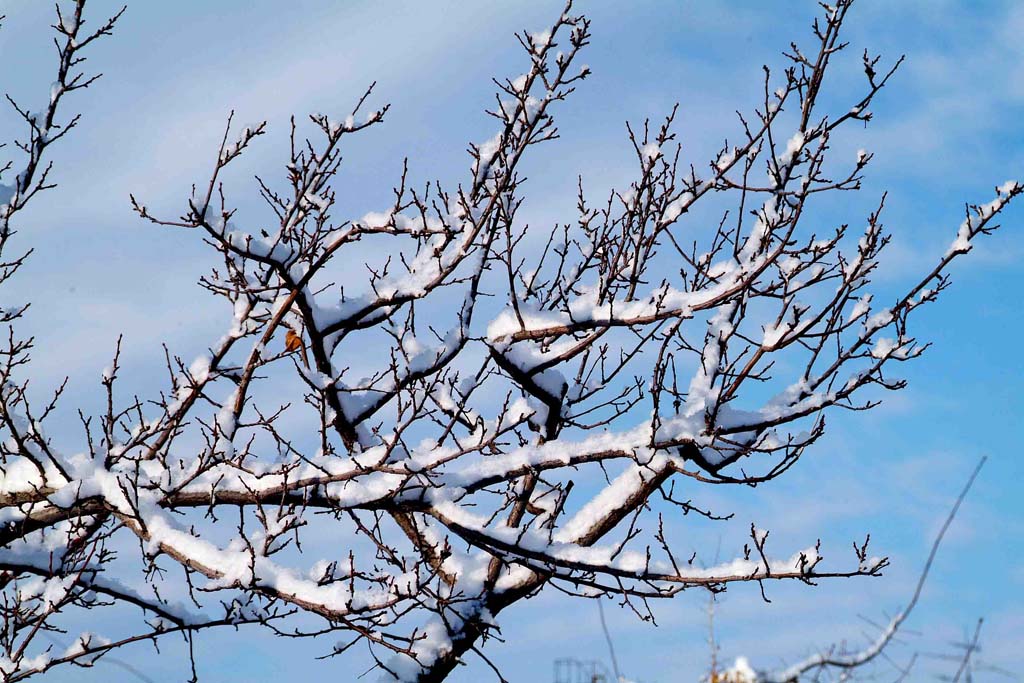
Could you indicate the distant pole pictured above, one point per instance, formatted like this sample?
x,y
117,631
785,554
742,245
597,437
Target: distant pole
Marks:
x,y
608,638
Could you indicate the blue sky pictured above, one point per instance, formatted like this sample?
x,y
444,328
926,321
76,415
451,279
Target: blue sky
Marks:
x,y
945,132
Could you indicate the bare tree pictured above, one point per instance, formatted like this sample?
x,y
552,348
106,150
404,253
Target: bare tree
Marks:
x,y
839,662
489,413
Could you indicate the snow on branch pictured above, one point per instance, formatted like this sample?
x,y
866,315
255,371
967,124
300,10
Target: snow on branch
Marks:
x,y
482,412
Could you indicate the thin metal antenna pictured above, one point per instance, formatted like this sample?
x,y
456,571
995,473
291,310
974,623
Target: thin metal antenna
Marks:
x,y
608,638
